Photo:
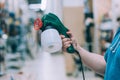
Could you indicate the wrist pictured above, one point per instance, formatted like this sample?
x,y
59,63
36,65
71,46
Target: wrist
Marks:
x,y
79,49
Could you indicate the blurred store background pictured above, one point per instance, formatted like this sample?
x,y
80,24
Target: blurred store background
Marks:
x,y
93,22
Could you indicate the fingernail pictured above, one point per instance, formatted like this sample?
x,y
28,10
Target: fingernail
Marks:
x,y
69,45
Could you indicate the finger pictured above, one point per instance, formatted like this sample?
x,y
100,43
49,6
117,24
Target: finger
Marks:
x,y
62,36
70,34
68,43
66,46
66,39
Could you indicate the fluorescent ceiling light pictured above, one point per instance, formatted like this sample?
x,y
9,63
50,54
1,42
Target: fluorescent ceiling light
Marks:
x,y
41,6
35,6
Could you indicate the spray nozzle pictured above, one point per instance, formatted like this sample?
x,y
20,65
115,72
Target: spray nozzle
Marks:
x,y
38,24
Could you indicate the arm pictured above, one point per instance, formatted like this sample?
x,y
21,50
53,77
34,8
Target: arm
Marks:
x,y
94,61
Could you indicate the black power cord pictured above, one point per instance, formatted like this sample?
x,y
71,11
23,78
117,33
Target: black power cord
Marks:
x,y
83,75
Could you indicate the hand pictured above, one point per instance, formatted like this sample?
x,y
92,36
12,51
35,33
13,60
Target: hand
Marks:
x,y
66,42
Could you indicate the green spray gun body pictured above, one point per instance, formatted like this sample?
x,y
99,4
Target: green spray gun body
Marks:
x,y
52,21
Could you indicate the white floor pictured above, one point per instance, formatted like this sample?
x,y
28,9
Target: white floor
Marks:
x,y
52,67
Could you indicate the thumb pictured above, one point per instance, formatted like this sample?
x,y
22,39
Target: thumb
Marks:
x,y
70,34
74,43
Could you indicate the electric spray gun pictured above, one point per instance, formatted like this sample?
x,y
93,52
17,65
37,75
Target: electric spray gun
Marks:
x,y
51,21
49,24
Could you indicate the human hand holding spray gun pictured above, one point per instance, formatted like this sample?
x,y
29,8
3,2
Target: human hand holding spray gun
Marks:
x,y
49,24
